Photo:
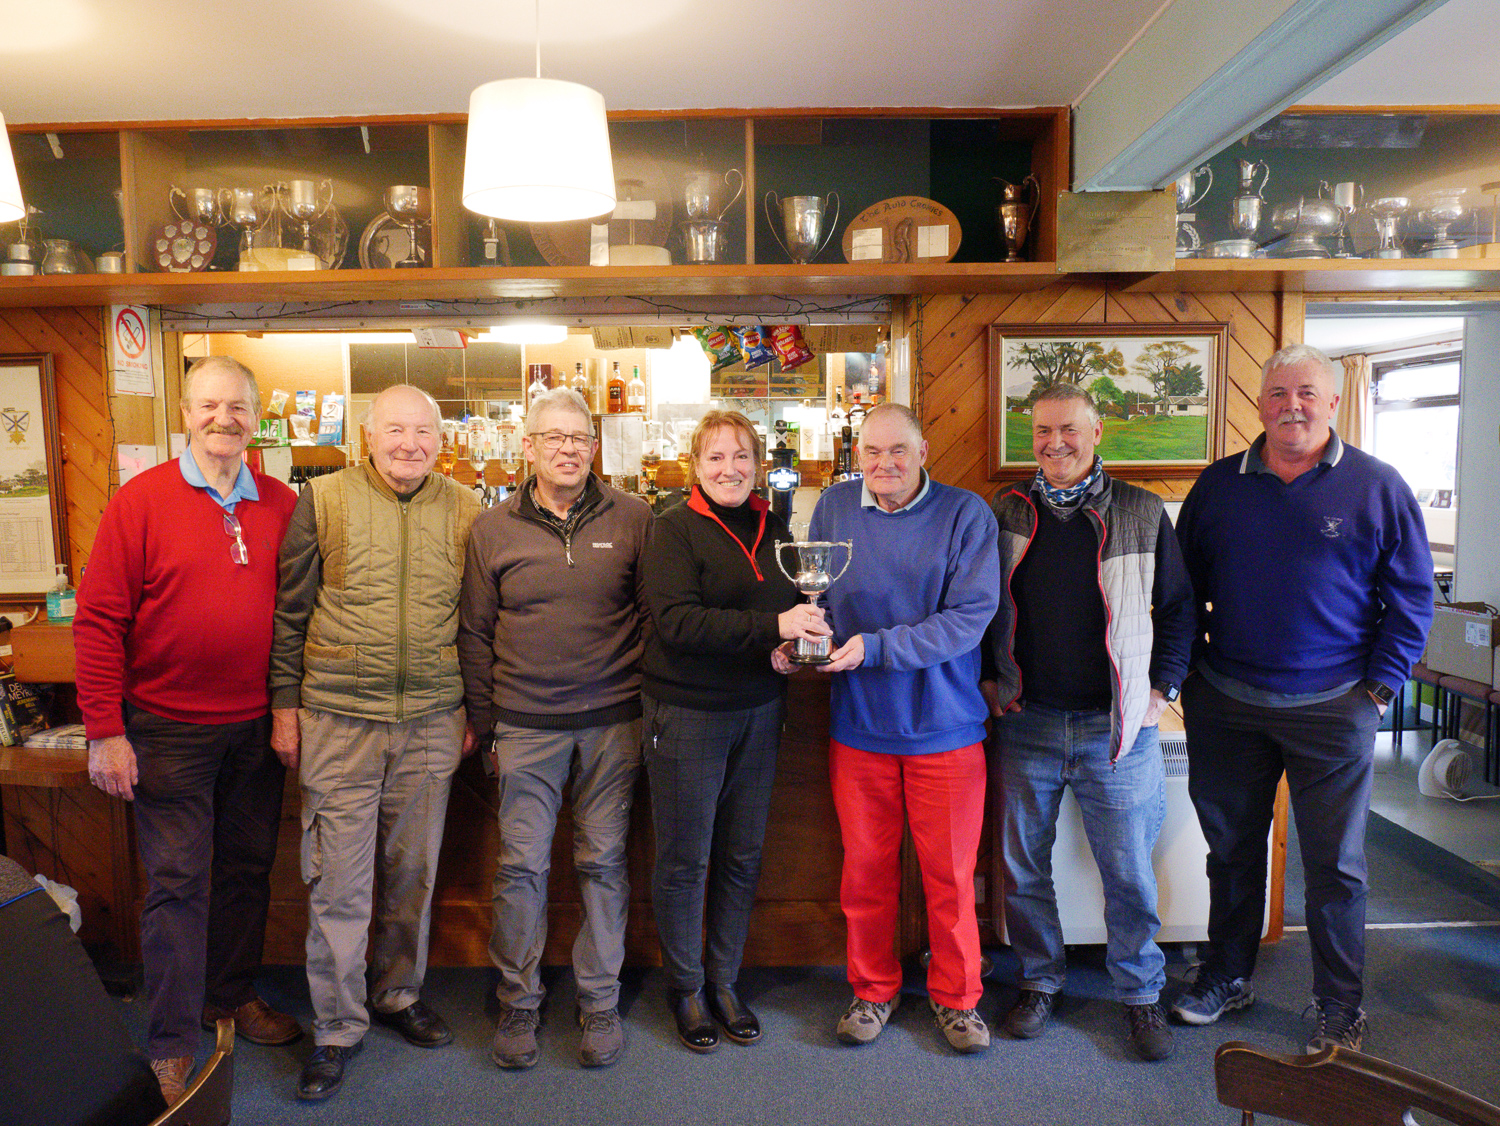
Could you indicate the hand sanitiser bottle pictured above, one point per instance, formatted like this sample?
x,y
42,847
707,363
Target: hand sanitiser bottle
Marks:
x,y
62,600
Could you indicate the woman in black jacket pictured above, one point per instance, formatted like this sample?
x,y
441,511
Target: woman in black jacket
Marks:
x,y
713,696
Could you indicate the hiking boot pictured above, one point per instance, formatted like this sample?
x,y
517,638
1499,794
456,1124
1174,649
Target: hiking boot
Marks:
x,y
964,1028
603,1038
171,1076
863,1020
1149,1034
1338,1024
1027,1018
515,1038
1211,996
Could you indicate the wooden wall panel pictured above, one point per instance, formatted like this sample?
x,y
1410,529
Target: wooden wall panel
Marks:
x,y
952,352
74,337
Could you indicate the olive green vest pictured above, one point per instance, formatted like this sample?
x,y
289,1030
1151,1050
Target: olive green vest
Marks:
x,y
381,641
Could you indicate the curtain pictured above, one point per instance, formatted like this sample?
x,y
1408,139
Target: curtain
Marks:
x,y
1355,422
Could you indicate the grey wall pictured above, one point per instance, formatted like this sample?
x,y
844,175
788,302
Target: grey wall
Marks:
x,y
1477,558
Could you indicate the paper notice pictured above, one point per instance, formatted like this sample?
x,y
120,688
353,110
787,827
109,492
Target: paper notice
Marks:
x,y
620,443
867,244
134,459
932,242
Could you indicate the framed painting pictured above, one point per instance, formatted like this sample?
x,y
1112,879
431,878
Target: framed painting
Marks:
x,y
1159,388
33,517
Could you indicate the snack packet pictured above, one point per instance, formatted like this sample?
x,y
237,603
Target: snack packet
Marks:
x,y
791,349
752,342
719,344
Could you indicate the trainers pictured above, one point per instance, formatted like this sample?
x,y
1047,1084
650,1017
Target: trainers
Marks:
x,y
863,1020
1338,1024
1027,1018
965,1028
1149,1034
515,1038
1210,997
603,1038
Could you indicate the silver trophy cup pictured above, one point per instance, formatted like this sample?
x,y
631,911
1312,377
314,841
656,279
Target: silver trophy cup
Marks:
x,y
814,576
802,220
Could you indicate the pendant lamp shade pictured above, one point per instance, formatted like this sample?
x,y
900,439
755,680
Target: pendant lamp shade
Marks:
x,y
538,152
12,207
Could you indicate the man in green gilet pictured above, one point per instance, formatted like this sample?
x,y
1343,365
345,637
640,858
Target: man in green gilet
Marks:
x,y
367,704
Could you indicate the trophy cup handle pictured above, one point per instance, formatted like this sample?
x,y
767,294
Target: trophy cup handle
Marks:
x,y
1325,186
780,566
1208,187
225,197
1266,179
738,191
326,185
173,194
848,546
833,226
771,220
1359,195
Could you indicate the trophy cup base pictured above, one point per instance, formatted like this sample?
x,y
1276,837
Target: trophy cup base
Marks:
x,y
812,659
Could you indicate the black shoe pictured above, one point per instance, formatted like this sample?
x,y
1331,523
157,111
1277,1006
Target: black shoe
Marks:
x,y
324,1072
694,1027
419,1024
739,1022
1027,1019
1149,1034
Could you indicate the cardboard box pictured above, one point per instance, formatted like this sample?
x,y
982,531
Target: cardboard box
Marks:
x,y
1462,641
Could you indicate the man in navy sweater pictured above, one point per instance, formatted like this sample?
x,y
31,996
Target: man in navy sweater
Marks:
x,y
907,719
1313,579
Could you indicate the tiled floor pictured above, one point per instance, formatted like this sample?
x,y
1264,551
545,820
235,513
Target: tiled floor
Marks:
x,y
1470,830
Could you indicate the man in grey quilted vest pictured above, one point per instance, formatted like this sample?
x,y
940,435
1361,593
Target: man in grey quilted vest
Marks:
x,y
1088,646
367,704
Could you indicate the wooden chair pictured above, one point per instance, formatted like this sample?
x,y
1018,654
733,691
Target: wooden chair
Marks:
x,y
1337,1087
206,1101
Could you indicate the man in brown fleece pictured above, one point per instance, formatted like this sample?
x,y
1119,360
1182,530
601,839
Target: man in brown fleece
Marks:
x,y
550,640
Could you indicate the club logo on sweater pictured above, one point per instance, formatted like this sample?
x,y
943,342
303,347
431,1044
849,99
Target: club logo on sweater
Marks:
x,y
1331,526
598,544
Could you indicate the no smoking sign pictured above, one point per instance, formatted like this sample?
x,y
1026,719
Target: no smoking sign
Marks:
x,y
130,349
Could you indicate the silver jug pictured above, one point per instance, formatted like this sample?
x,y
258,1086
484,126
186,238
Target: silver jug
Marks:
x,y
702,189
1245,209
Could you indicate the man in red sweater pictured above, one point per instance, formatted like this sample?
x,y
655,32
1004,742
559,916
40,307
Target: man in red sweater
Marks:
x,y
173,640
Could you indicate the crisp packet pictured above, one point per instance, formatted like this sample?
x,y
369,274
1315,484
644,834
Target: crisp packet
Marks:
x,y
752,342
720,346
791,349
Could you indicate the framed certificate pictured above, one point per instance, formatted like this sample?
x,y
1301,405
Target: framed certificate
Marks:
x,y
33,517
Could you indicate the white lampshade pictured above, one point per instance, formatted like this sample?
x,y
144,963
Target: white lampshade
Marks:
x,y
538,152
528,332
12,207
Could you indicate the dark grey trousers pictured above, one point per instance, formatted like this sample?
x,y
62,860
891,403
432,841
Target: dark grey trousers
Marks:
x,y
711,776
1236,755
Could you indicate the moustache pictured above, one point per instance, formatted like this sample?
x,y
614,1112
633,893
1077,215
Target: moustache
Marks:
x,y
232,430
1292,416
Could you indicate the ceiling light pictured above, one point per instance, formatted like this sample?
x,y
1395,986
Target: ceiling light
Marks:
x,y
12,207
538,149
524,332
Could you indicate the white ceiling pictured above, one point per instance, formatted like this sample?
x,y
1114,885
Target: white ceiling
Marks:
x,y
108,60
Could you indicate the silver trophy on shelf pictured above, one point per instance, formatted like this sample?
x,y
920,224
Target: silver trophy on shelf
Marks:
x,y
199,205
1017,214
814,576
1389,213
248,210
1439,210
1246,210
304,202
1347,196
1189,242
411,206
802,220
703,235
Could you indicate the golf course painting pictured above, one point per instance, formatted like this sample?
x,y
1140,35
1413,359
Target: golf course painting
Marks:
x,y
1159,389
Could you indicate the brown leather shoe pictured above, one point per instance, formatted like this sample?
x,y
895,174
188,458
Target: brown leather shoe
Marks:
x,y
257,1022
172,1076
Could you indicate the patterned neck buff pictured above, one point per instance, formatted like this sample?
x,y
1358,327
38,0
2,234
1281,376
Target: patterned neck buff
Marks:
x,y
1065,502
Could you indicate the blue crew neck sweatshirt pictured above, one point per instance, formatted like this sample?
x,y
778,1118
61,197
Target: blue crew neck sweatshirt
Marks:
x,y
922,586
1306,585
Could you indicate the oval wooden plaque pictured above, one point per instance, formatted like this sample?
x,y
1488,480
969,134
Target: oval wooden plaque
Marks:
x,y
905,228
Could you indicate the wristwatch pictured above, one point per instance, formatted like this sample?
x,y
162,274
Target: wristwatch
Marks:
x,y
1169,692
1378,692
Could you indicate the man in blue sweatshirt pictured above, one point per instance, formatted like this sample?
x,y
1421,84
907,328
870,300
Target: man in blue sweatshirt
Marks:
x,y
907,720
1313,579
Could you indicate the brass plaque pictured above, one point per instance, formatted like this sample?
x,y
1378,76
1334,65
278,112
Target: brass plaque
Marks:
x,y
1116,232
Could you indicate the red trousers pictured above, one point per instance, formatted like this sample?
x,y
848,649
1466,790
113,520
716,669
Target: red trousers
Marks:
x,y
942,797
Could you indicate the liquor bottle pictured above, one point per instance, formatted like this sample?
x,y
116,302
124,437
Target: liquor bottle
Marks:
x,y
580,381
616,391
836,416
538,384
635,392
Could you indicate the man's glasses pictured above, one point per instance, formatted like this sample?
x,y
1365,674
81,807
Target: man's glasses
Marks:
x,y
237,550
553,440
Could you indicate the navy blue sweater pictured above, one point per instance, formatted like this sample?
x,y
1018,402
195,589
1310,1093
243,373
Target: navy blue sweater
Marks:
x,y
1311,584
922,587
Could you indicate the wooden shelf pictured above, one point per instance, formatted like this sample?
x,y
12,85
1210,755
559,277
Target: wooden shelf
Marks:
x,y
549,281
1325,275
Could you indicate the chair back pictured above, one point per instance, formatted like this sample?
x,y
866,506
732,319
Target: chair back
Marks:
x,y
1337,1087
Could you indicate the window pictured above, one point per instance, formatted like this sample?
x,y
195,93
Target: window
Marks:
x,y
1416,421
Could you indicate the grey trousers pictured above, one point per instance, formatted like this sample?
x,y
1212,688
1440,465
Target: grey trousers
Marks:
x,y
533,767
374,798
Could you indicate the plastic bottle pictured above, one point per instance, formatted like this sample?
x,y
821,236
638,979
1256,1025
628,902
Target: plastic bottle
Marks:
x,y
62,600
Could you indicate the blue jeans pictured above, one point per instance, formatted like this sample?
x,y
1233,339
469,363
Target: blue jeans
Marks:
x,y
1038,751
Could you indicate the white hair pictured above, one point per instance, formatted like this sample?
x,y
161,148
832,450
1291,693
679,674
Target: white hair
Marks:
x,y
1299,354
206,365
437,411
558,398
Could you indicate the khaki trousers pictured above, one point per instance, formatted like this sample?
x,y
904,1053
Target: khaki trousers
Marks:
x,y
374,798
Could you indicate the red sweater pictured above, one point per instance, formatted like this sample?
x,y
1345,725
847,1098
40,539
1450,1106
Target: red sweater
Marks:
x,y
166,619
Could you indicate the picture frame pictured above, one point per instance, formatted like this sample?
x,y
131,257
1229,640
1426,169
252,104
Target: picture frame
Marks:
x,y
1161,391
33,514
